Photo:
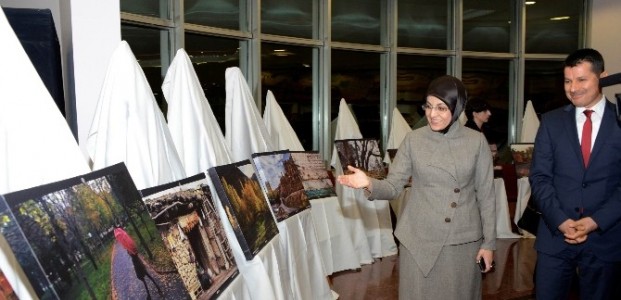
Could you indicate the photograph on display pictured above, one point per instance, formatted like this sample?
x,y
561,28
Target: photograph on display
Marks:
x,y
522,154
363,154
281,182
246,207
6,290
315,176
89,237
189,224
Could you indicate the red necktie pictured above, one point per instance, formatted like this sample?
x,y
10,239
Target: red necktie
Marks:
x,y
586,138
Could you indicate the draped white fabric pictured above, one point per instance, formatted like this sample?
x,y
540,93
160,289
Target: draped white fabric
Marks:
x,y
193,126
246,133
245,130
530,124
280,130
399,127
523,196
503,218
129,127
369,221
37,146
333,238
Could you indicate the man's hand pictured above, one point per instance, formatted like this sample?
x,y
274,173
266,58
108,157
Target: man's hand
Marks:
x,y
578,230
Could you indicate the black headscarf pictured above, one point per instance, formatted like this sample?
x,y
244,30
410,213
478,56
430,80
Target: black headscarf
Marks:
x,y
452,92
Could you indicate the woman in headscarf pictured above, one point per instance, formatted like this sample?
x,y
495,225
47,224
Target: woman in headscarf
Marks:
x,y
447,228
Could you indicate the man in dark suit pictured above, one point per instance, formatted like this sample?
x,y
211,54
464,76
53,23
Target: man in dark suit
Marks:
x,y
576,184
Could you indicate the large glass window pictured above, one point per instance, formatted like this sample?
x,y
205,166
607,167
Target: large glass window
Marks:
x,y
487,25
356,21
146,44
355,78
488,80
423,23
543,85
287,72
553,26
211,56
150,8
289,18
414,73
216,13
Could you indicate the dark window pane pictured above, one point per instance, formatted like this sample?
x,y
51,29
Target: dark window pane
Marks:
x,y
289,18
150,8
487,25
287,72
210,57
553,26
488,80
356,78
423,24
543,85
145,44
414,73
220,13
356,21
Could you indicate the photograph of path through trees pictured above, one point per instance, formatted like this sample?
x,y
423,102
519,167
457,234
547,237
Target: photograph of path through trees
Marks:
x,y
89,237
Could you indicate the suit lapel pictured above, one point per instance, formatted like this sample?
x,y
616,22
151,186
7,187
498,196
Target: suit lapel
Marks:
x,y
570,126
605,129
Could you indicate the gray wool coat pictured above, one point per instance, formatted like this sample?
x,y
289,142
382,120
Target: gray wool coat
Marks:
x,y
452,198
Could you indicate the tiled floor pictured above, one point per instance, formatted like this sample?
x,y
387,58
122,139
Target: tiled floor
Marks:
x,y
512,279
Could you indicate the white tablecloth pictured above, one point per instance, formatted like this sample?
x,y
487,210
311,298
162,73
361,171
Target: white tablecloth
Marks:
x,y
522,202
503,218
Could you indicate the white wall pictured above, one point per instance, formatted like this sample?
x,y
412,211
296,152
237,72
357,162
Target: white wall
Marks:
x,y
605,36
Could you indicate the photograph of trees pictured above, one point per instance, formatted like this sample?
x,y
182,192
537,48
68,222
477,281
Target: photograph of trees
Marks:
x,y
89,237
192,231
281,182
315,177
246,207
363,154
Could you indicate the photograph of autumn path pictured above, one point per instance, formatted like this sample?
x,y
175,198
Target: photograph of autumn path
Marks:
x,y
89,237
246,207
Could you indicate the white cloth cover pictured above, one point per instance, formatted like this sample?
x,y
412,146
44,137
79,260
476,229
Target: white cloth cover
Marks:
x,y
246,133
245,130
523,195
399,127
129,127
37,146
530,124
193,126
503,218
369,221
326,229
278,127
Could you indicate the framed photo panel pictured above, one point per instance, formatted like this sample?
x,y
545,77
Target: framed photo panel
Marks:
x,y
363,154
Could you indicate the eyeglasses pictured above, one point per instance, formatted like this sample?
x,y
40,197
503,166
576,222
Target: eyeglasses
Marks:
x,y
439,108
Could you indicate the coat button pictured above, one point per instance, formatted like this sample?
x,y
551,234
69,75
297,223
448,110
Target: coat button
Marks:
x,y
456,190
453,205
447,220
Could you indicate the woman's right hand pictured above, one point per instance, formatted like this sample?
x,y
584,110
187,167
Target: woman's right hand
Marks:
x,y
358,179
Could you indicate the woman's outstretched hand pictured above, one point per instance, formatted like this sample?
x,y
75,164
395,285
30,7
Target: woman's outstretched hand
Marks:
x,y
356,180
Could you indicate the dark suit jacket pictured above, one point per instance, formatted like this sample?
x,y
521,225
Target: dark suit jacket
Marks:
x,y
561,185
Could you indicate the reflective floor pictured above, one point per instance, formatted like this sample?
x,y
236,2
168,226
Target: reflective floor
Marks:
x,y
512,278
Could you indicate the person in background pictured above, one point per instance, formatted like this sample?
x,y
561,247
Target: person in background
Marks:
x,y
576,184
477,113
448,221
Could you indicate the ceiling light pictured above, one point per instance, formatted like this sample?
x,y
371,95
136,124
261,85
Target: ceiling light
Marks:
x,y
530,2
559,18
279,50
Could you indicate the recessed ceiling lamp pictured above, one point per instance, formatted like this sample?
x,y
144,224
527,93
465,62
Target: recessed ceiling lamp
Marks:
x,y
559,18
530,2
279,50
